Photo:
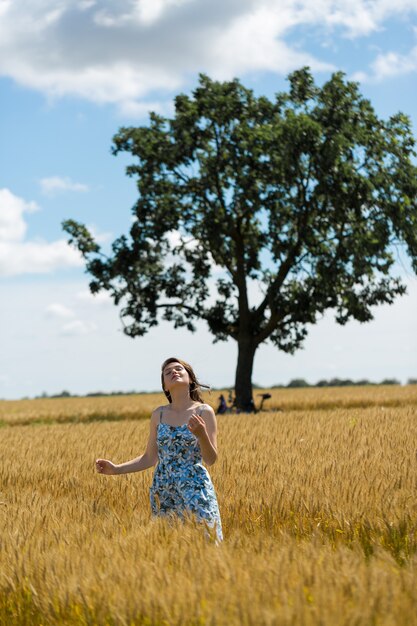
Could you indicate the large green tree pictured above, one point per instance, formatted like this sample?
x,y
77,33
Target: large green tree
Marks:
x,y
307,195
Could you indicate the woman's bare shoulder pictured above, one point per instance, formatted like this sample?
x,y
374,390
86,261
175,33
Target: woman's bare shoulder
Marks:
x,y
157,411
206,408
160,408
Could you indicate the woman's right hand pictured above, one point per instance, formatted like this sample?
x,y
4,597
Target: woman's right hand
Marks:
x,y
105,467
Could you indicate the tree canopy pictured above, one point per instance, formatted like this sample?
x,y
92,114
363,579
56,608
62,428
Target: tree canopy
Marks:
x,y
306,195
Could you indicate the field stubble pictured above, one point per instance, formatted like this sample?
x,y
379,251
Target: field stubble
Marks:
x,y
318,509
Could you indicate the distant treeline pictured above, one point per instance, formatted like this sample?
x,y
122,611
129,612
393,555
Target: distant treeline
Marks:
x,y
296,382
339,382
94,394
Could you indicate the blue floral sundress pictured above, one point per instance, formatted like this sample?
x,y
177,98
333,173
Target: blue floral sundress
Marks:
x,y
180,480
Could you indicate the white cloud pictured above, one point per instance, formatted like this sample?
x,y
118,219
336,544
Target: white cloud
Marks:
x,y
356,18
126,51
12,224
97,235
54,184
83,5
101,298
58,310
390,64
252,42
78,327
359,76
144,12
37,257
18,256
150,10
135,109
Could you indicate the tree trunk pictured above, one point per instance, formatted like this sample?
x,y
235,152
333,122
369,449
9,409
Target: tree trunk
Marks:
x,y
243,381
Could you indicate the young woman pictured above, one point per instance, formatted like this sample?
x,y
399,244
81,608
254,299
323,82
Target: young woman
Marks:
x,y
183,433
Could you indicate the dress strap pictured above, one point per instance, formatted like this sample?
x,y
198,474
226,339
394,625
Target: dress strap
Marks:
x,y
160,417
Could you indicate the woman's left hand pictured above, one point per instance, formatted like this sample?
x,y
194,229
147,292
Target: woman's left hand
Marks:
x,y
197,425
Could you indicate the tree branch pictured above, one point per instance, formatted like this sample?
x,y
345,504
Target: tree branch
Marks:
x,y
282,272
180,305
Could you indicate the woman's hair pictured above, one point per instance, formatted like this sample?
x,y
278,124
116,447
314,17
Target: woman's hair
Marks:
x,y
194,383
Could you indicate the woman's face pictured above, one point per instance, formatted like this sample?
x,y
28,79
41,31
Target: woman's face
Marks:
x,y
175,374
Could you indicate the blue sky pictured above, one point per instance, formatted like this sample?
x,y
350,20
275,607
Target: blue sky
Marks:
x,y
72,73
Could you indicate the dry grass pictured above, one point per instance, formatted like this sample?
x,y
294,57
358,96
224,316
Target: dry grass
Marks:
x,y
318,509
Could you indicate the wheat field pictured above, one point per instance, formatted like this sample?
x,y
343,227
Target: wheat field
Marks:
x,y
317,496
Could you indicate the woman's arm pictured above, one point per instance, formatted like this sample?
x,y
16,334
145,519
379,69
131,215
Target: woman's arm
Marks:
x,y
205,429
143,462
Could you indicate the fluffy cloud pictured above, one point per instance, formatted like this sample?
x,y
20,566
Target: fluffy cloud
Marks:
x,y
12,223
54,184
58,310
356,18
78,327
132,52
18,256
101,298
36,258
74,326
97,235
136,53
390,64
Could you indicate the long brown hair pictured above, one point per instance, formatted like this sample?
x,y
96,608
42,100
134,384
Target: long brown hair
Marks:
x,y
194,383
